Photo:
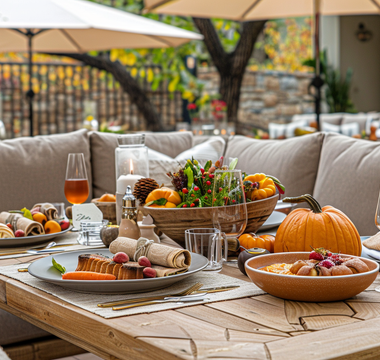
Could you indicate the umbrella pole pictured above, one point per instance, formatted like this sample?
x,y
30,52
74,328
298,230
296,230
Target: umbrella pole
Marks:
x,y
317,81
30,92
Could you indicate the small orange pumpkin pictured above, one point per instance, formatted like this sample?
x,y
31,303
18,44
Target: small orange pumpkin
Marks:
x,y
249,241
325,227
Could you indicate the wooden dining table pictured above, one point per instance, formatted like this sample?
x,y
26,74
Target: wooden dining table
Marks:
x,y
259,327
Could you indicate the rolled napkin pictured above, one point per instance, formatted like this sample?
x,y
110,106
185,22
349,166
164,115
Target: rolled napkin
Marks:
x,y
162,271
20,222
156,253
373,242
48,210
6,232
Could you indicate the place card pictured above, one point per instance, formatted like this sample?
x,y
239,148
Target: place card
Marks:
x,y
87,212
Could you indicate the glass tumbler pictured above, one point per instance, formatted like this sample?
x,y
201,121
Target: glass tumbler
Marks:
x,y
90,232
210,243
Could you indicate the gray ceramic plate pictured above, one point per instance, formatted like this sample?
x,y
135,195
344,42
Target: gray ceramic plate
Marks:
x,y
42,269
30,240
274,220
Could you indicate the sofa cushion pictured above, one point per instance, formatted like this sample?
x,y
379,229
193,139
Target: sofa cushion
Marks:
x,y
170,143
17,330
33,170
103,157
294,161
348,179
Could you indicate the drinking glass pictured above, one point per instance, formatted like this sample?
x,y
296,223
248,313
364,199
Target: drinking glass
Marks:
x,y
229,209
76,183
377,223
210,243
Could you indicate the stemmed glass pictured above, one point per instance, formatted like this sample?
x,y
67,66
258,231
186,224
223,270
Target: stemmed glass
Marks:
x,y
76,183
229,209
377,223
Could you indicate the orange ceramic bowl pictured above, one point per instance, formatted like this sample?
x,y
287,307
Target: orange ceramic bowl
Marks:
x,y
307,288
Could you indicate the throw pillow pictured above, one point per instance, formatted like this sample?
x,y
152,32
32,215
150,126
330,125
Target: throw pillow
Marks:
x,y
348,179
294,161
33,169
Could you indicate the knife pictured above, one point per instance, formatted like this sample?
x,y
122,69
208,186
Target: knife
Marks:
x,y
216,289
176,299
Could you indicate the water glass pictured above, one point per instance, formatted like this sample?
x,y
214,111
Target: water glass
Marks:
x,y
90,232
210,243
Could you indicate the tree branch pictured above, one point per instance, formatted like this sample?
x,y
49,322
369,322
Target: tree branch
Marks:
x,y
127,82
244,48
213,44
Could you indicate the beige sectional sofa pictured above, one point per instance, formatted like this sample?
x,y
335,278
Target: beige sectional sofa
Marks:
x,y
337,170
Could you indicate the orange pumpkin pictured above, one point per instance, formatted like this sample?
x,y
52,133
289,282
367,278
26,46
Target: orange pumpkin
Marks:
x,y
249,241
325,227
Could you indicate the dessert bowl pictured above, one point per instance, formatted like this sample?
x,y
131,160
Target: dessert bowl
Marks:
x,y
307,288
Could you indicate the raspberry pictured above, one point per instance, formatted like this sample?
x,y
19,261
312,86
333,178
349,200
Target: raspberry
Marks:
x,y
196,188
185,191
184,205
315,256
220,189
326,263
209,191
208,182
192,205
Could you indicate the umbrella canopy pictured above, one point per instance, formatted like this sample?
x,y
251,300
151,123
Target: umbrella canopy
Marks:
x,y
244,10
78,26
81,26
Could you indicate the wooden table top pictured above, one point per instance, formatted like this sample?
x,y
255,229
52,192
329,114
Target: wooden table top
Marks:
x,y
260,327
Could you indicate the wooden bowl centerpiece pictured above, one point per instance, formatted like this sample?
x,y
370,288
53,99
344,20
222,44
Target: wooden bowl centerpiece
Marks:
x,y
174,221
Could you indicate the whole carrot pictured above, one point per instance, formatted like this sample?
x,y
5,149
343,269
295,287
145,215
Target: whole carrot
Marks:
x,y
87,275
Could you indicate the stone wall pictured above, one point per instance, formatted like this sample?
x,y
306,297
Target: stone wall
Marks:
x,y
267,96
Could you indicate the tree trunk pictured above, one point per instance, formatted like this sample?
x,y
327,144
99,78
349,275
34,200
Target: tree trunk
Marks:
x,y
231,66
129,85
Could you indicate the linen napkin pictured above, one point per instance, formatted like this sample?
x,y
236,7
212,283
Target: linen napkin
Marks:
x,y
373,242
48,210
157,254
20,222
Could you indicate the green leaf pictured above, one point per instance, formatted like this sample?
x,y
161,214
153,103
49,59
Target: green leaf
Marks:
x,y
233,164
190,176
27,213
208,165
161,201
59,267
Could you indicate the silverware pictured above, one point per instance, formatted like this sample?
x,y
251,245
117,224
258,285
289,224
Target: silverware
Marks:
x,y
187,291
176,299
216,289
40,247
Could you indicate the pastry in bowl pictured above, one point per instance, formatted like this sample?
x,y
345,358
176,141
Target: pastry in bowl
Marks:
x,y
294,276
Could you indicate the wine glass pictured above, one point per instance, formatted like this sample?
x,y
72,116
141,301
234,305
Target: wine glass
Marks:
x,y
229,209
76,183
377,223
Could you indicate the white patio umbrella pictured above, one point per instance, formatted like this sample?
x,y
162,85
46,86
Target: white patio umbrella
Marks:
x,y
78,26
246,10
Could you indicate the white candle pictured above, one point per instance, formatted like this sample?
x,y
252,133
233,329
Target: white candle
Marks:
x,y
124,180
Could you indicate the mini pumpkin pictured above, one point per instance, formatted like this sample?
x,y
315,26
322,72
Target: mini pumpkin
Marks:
x,y
317,227
163,198
266,186
249,241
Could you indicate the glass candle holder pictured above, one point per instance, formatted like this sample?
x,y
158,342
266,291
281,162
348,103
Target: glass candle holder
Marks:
x,y
90,232
132,164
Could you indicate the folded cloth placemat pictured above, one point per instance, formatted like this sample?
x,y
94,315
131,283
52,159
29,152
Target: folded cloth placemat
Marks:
x,y
373,242
89,301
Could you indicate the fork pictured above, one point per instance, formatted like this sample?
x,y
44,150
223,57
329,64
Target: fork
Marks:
x,y
185,292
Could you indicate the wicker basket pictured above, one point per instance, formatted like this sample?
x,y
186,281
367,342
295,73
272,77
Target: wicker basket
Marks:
x,y
107,208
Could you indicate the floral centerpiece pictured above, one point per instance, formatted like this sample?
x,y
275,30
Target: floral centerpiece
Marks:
x,y
194,186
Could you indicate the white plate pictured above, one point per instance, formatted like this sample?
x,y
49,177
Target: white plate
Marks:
x,y
43,269
274,220
30,240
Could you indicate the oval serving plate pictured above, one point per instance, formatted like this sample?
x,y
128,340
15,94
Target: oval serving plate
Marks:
x,y
30,240
43,269
307,288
